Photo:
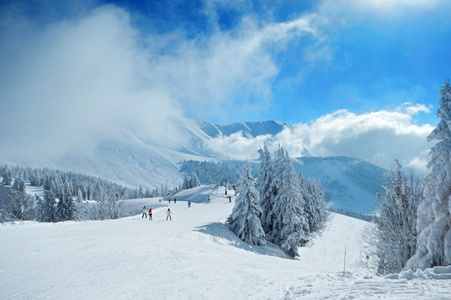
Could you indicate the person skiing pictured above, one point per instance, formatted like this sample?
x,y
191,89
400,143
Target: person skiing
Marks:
x,y
144,212
168,214
230,199
150,214
189,203
175,201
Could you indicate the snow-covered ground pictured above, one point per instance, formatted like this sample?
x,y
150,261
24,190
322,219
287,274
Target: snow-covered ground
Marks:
x,y
194,256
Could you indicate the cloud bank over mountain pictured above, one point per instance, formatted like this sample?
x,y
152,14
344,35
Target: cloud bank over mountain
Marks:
x,y
378,137
74,74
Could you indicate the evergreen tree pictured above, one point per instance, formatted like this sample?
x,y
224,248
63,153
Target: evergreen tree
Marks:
x,y
245,218
194,180
4,210
65,209
46,207
434,218
315,206
290,226
18,199
7,180
266,188
79,196
106,208
395,229
186,183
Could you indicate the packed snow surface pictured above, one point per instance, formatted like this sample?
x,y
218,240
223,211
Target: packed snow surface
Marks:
x,y
194,256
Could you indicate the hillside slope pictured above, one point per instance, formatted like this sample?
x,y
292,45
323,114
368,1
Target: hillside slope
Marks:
x,y
349,183
194,256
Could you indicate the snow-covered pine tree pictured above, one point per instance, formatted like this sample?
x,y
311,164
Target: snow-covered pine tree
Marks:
x,y
265,188
5,215
7,180
395,226
79,196
106,208
18,199
194,180
245,218
186,183
46,207
434,216
290,225
65,209
315,206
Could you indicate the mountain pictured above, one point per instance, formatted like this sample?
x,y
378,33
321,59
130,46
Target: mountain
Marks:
x,y
249,129
349,183
131,160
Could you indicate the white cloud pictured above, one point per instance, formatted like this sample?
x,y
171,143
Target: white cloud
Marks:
x,y
74,82
237,146
67,83
226,69
378,137
411,110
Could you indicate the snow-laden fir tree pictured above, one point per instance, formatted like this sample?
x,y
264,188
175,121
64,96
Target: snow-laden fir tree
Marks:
x,y
266,188
46,207
7,180
18,199
190,182
434,216
79,196
194,180
106,208
290,225
315,206
186,182
245,218
65,209
395,225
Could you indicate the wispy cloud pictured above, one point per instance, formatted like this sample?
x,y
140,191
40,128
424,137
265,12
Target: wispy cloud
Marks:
x,y
69,81
73,82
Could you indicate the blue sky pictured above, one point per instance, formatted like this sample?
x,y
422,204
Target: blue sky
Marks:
x,y
366,56
339,71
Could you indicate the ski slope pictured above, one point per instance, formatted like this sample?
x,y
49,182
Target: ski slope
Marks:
x,y
194,256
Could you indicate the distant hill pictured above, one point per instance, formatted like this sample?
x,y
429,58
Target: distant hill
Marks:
x,y
349,183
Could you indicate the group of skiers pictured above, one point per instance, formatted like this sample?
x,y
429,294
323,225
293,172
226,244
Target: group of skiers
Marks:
x,y
149,213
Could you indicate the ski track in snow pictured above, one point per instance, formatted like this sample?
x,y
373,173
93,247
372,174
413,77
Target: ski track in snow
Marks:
x,y
191,257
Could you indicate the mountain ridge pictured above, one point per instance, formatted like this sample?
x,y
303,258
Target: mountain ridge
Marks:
x,y
133,161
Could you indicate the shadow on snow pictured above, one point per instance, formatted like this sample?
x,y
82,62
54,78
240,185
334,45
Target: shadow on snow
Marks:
x,y
219,230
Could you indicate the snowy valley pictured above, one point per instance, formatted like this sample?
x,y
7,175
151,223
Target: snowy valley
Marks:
x,y
349,184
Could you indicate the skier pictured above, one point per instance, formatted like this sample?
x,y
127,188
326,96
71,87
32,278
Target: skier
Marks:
x,y
175,201
230,199
169,200
189,203
144,212
168,214
208,200
150,214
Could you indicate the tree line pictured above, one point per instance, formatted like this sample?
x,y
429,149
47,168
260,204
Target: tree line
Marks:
x,y
61,190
